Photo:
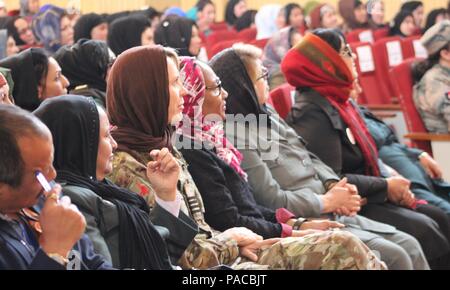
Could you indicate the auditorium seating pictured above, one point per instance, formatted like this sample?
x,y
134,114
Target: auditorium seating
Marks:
x,y
282,99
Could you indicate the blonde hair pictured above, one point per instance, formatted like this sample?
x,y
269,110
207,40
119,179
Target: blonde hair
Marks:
x,y
249,55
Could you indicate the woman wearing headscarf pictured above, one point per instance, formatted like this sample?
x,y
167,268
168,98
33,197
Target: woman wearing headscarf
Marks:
x,y
295,17
376,12
269,19
130,31
20,30
118,221
403,25
354,13
322,69
86,65
274,52
417,9
177,11
247,20
91,26
29,8
436,16
202,131
234,10
179,33
53,28
283,173
5,92
8,45
36,77
323,16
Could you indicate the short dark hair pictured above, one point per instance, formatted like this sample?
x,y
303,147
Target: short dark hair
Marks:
x,y
15,123
40,65
333,37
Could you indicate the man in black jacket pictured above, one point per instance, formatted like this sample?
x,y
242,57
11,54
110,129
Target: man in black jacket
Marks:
x,y
52,239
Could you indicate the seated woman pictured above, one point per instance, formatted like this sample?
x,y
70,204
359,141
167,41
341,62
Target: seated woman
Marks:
x,y
294,16
323,16
53,28
281,171
179,33
323,115
118,221
5,97
205,15
130,31
354,13
269,19
234,10
86,65
8,45
436,16
432,77
91,26
376,13
21,31
144,115
403,25
417,9
275,50
36,77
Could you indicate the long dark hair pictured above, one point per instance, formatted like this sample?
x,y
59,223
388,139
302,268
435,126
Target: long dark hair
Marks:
x,y
288,10
419,69
431,18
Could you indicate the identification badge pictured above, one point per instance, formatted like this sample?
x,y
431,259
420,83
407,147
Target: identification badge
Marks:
x,y
350,136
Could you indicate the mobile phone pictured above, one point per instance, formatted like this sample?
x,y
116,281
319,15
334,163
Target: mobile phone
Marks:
x,y
47,186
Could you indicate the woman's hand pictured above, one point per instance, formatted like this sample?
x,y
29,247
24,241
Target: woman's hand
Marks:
x,y
430,166
163,173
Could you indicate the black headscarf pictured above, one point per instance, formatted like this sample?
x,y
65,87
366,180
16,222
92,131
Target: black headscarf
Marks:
x,y
411,6
25,83
126,32
110,18
150,13
431,18
74,123
12,30
85,24
242,97
246,20
397,22
230,17
175,32
288,10
85,63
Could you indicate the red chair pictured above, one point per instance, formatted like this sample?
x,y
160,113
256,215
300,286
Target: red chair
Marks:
x,y
218,47
261,43
380,33
412,47
248,34
218,36
387,54
403,84
365,64
360,35
282,99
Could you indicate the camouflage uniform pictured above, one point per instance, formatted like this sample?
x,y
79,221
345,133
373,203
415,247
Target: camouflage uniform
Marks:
x,y
432,99
328,250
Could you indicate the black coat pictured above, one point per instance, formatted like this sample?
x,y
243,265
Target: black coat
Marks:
x,y
228,199
319,123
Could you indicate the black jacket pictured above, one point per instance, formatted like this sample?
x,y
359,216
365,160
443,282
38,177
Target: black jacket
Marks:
x,y
228,199
320,124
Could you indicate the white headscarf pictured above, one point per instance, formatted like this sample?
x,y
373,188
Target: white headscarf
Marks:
x,y
265,20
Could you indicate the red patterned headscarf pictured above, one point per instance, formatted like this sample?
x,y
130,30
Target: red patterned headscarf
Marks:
x,y
196,126
313,63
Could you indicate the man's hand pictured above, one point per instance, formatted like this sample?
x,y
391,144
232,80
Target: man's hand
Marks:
x,y
321,225
242,236
398,186
163,173
342,195
62,224
250,251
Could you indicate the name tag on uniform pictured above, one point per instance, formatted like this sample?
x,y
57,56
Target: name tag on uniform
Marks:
x,y
350,136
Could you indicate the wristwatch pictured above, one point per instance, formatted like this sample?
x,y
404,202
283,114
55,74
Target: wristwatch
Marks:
x,y
59,259
298,224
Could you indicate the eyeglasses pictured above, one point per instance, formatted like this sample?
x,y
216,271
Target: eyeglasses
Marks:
x,y
217,90
265,74
347,51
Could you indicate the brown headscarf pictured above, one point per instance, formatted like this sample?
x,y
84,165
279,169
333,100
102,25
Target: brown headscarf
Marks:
x,y
138,100
347,11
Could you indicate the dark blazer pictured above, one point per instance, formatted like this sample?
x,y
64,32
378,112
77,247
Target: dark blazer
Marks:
x,y
319,123
228,199
16,256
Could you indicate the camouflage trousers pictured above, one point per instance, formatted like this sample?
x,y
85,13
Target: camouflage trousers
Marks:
x,y
330,250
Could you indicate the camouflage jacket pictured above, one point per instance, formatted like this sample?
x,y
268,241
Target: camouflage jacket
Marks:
x,y
432,99
209,248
